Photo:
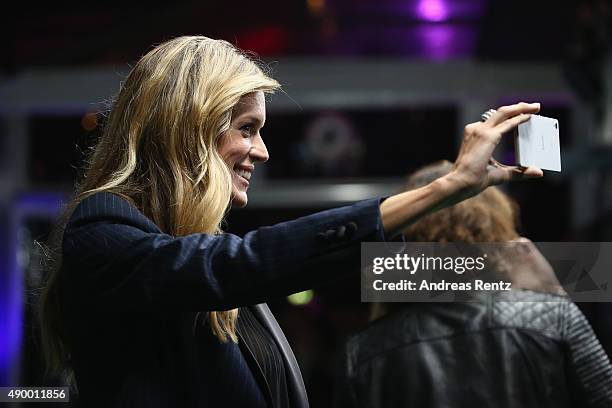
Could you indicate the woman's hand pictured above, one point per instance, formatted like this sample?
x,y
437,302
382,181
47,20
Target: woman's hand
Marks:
x,y
474,171
475,168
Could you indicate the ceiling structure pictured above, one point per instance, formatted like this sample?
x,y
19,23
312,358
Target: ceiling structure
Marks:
x,y
427,29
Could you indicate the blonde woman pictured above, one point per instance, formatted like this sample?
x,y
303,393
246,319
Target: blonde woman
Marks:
x,y
149,303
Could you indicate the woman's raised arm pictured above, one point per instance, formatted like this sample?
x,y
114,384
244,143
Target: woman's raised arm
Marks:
x,y
474,171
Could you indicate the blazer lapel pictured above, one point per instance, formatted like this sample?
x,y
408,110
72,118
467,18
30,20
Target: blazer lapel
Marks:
x,y
295,383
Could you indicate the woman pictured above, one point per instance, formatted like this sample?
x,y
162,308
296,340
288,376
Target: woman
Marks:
x,y
149,303
524,348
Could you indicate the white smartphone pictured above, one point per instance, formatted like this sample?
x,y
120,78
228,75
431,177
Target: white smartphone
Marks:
x,y
537,143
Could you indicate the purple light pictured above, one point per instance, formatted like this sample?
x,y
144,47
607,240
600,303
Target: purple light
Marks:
x,y
440,42
12,279
432,10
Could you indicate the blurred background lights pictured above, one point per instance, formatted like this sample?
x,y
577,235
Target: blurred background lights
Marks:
x,y
301,298
432,10
89,121
315,6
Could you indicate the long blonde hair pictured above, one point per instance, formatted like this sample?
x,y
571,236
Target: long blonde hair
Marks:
x,y
159,151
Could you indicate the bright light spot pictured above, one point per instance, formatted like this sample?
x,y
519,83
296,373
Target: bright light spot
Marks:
x,y
301,298
432,10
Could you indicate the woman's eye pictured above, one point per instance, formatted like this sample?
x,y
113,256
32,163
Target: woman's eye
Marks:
x,y
247,129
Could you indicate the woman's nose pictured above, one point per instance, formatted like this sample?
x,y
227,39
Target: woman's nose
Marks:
x,y
259,152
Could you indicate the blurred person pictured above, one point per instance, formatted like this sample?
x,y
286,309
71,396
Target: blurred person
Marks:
x,y
529,347
148,303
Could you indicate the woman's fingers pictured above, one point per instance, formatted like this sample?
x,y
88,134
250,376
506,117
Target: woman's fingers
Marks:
x,y
500,173
509,111
531,172
512,122
474,166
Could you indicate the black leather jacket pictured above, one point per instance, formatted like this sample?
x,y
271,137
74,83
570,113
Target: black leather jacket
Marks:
x,y
514,349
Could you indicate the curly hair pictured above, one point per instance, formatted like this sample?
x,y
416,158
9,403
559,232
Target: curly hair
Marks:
x,y
490,216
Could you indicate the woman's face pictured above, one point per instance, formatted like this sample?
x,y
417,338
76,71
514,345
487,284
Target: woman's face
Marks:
x,y
242,146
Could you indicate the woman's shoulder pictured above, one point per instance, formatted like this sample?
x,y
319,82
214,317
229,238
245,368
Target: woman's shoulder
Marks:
x,y
111,207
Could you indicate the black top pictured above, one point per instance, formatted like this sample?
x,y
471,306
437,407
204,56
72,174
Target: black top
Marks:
x,y
267,355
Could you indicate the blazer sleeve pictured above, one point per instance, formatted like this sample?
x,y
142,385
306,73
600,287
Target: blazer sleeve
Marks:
x,y
115,257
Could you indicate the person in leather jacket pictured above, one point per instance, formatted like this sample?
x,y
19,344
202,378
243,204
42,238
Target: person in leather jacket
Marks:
x,y
528,347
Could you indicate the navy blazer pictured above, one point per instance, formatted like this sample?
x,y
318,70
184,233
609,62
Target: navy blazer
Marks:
x,y
132,294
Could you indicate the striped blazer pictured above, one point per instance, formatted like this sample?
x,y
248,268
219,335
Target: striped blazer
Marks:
x,y
133,297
